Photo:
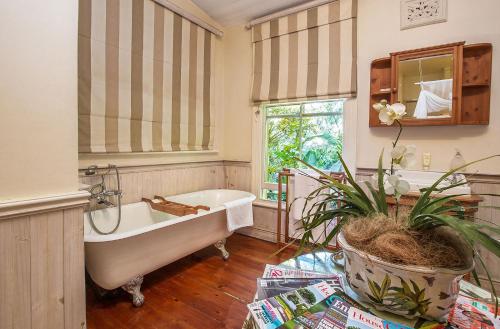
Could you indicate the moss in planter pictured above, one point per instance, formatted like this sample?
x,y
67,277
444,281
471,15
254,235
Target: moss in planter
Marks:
x,y
390,239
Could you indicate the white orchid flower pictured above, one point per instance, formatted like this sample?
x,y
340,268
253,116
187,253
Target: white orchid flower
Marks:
x,y
399,109
404,156
391,113
378,107
397,186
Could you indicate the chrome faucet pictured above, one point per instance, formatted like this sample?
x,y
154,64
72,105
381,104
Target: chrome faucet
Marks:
x,y
101,194
454,179
99,191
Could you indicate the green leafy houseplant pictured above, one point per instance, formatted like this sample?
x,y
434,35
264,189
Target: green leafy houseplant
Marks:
x,y
432,210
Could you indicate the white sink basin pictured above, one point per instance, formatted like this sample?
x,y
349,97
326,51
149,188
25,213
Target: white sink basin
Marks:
x,y
423,179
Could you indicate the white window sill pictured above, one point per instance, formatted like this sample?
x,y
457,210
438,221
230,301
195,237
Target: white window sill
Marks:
x,y
266,204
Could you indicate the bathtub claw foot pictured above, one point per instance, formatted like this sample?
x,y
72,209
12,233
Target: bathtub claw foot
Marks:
x,y
221,245
133,287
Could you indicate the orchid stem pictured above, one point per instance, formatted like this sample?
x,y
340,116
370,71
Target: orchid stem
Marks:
x,y
396,143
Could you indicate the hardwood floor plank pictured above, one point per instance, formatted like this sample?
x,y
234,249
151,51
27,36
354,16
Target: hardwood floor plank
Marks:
x,y
198,291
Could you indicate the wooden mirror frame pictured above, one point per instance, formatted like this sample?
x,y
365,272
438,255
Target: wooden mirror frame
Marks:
x,y
454,49
471,83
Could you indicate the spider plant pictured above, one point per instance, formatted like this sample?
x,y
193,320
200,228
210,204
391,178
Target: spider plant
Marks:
x,y
430,211
334,200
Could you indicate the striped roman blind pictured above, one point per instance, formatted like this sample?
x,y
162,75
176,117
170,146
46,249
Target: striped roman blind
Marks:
x,y
145,79
310,54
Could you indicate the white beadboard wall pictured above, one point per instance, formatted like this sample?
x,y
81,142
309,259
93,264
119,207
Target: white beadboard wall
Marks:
x,y
42,283
164,180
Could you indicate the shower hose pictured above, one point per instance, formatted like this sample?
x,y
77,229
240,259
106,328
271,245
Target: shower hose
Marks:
x,y
92,224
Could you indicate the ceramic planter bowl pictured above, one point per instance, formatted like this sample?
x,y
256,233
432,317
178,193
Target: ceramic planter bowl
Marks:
x,y
410,291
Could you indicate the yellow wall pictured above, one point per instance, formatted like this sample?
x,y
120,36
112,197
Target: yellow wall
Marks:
x,y
38,98
379,34
237,104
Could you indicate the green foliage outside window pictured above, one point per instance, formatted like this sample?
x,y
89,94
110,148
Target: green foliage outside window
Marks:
x,y
310,131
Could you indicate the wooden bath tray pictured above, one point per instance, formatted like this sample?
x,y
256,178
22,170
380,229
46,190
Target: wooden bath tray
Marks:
x,y
173,208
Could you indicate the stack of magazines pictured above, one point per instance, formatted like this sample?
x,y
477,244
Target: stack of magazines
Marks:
x,y
293,299
298,299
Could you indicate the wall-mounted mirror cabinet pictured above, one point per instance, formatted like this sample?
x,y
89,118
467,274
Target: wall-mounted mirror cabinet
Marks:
x,y
441,85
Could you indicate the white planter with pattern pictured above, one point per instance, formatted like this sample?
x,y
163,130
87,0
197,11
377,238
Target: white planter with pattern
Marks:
x,y
410,291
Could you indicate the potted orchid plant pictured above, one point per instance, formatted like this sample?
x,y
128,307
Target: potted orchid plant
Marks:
x,y
405,260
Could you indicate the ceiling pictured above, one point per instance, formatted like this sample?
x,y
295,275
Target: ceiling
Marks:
x,y
239,12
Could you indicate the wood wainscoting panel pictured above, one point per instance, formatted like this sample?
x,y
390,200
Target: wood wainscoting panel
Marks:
x,y
47,289
15,267
74,269
42,275
238,175
164,180
488,216
265,223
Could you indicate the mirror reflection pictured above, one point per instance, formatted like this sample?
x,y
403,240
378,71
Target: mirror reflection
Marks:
x,y
425,86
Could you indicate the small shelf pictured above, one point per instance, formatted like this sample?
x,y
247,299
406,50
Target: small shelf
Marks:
x,y
381,92
472,85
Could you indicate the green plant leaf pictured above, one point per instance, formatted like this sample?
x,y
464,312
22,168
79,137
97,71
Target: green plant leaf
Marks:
x,y
470,232
386,283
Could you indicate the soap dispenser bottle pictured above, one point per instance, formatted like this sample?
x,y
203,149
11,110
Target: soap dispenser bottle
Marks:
x,y
457,161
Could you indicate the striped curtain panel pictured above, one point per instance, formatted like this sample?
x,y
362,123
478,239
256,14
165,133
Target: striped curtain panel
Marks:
x,y
145,79
306,55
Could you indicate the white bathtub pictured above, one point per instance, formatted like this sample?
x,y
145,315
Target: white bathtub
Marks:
x,y
148,239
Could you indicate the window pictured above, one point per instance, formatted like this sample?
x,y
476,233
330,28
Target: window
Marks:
x,y
310,131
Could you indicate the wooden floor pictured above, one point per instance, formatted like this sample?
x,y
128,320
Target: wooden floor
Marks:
x,y
199,291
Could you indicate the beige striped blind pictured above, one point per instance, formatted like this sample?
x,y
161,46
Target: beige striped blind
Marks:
x,y
145,79
306,55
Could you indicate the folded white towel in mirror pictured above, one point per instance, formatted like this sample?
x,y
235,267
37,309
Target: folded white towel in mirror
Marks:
x,y
239,213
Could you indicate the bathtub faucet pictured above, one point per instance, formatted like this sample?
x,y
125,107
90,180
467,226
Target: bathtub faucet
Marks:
x,y
101,194
103,201
99,191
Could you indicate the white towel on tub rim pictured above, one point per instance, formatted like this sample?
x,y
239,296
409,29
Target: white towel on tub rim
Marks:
x,y
239,213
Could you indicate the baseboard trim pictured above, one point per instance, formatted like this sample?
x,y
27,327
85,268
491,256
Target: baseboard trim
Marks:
x,y
258,234
23,207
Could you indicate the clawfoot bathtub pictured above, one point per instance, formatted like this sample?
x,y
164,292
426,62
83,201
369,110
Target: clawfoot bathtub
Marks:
x,y
148,239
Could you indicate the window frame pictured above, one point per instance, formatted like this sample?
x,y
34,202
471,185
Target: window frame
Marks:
x,y
262,185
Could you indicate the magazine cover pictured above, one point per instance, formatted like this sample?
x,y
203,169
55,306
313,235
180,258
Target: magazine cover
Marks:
x,y
280,309
341,315
473,313
311,318
267,288
276,271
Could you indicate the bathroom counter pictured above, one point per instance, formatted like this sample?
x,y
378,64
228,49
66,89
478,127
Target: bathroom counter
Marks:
x,y
411,198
